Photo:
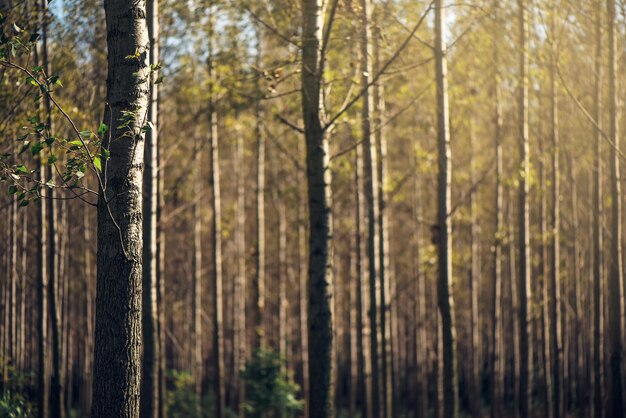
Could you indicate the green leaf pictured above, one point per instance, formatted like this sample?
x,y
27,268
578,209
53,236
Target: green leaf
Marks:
x,y
50,184
103,129
20,168
105,153
12,189
24,202
97,163
52,159
36,148
86,134
37,69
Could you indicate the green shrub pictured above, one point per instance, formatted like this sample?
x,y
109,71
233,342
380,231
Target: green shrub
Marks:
x,y
182,402
14,405
270,392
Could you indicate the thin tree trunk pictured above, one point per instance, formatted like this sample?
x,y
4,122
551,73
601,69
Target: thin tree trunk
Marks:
x,y
365,332
598,244
475,275
386,325
86,392
21,348
43,401
371,202
545,294
556,337
615,402
240,341
282,276
260,213
56,384
161,281
514,292
151,350
578,330
302,290
445,295
216,241
525,294
320,219
420,309
497,363
117,360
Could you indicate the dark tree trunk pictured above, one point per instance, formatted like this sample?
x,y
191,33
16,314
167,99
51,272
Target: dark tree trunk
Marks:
x,y
117,358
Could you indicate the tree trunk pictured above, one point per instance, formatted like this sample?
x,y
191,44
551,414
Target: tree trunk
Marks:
x,y
151,350
577,331
474,285
196,330
545,294
420,309
302,290
615,402
320,223
445,295
117,360
386,324
371,201
514,308
282,275
240,341
56,383
216,241
598,244
497,358
260,213
556,337
86,392
364,333
525,294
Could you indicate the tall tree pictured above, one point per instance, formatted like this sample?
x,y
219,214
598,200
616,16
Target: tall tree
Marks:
x,y
370,180
117,357
497,383
240,341
445,295
615,391
260,208
598,244
556,338
216,236
524,217
319,203
151,349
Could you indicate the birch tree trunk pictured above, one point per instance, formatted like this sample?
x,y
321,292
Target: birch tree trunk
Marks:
x,y
117,359
320,222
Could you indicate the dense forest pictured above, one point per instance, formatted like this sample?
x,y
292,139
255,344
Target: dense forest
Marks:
x,y
312,208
